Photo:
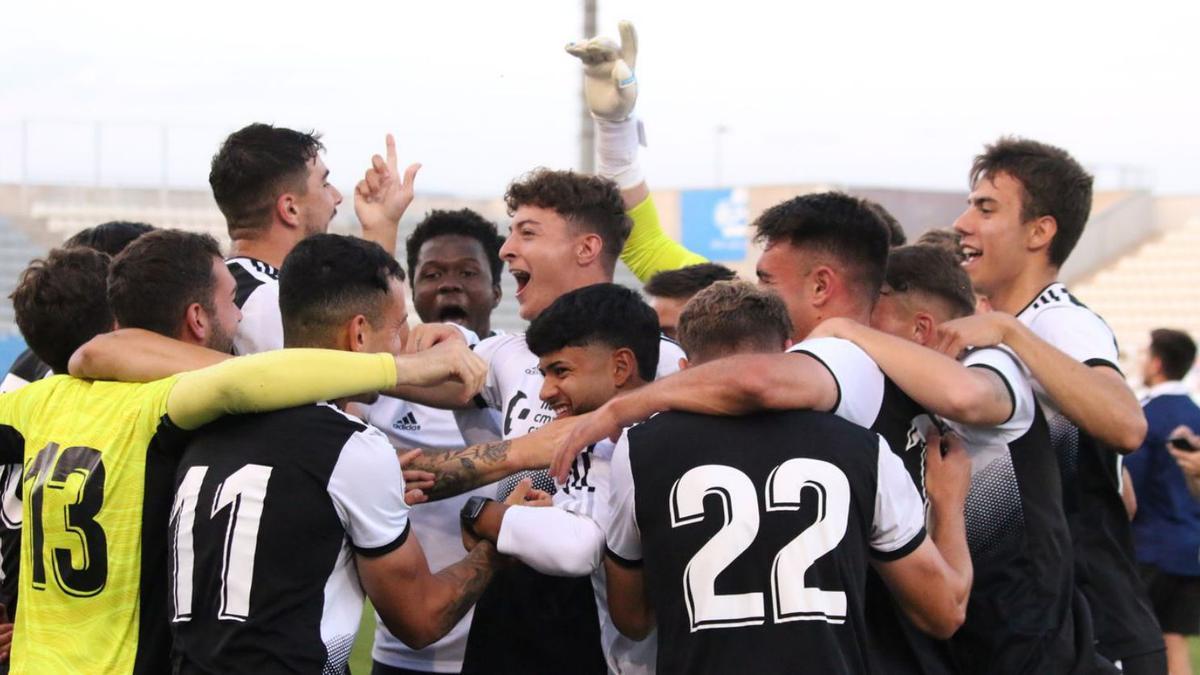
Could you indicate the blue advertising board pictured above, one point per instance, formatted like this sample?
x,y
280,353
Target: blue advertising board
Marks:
x,y
715,222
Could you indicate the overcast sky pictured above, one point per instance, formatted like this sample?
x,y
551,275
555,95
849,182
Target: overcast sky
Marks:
x,y
886,94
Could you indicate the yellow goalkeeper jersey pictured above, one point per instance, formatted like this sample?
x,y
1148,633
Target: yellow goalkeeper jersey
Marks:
x,y
99,463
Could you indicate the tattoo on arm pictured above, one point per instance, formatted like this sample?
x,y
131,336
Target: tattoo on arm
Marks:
x,y
461,469
469,577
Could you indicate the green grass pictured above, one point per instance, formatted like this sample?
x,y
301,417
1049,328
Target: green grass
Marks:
x,y
360,658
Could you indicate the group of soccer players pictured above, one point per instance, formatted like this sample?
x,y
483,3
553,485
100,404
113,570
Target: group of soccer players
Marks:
x,y
882,458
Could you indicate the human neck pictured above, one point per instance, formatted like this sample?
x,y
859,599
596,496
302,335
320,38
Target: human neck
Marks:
x,y
1016,295
269,248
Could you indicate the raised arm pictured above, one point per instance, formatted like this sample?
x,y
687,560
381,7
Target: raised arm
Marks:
x,y
1095,397
736,385
943,386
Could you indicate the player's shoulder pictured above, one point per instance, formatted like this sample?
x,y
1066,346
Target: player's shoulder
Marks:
x,y
253,277
1056,305
500,349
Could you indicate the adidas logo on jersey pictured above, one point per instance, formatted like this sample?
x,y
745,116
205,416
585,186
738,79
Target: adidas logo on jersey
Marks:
x,y
407,423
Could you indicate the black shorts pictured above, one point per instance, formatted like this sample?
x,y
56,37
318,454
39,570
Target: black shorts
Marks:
x,y
1176,600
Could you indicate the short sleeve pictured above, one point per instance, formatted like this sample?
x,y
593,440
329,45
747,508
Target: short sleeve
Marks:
x,y
1078,332
1004,365
899,526
859,380
489,350
367,489
624,537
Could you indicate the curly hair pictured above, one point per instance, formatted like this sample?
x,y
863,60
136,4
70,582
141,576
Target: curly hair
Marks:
x,y
60,303
606,314
463,222
1052,184
590,203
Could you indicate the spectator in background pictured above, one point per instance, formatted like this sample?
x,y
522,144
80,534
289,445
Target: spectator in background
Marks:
x,y
669,291
1166,527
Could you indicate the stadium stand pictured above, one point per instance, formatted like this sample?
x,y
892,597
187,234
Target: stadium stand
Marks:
x,y
16,250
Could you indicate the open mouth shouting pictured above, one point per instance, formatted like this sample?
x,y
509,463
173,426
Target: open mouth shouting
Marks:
x,y
522,279
452,313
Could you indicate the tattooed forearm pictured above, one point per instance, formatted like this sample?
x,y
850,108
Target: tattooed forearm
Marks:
x,y
461,469
468,577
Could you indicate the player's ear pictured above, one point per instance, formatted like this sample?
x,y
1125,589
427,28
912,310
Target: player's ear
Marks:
x,y
683,363
588,248
287,210
355,335
924,329
624,366
822,282
496,295
195,324
1040,233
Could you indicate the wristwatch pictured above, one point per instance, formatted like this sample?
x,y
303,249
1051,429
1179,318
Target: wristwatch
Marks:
x,y
471,510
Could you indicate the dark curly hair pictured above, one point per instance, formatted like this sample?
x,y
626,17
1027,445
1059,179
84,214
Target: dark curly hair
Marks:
x,y
111,237
1052,182
254,165
606,314
60,303
463,222
591,203
833,223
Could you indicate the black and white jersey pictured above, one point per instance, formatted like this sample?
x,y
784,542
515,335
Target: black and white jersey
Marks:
x,y
870,399
25,369
585,496
261,328
1019,616
1105,570
410,425
567,630
755,534
270,511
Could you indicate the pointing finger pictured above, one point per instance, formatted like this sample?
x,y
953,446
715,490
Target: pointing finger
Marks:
x,y
391,152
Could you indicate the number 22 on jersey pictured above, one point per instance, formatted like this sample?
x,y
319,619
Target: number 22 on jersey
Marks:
x,y
791,600
243,494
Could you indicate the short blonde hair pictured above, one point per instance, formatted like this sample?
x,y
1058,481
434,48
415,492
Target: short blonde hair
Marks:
x,y
732,317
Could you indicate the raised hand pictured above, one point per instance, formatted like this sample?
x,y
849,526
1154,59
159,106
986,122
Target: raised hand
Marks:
x,y
449,361
609,85
382,196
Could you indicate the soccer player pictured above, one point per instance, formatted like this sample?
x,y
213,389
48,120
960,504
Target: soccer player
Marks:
x,y
592,343
1020,616
99,456
670,290
791,566
1028,205
273,188
825,254
454,260
279,517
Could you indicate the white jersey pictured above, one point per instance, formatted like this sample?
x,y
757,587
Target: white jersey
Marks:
x,y
514,384
436,524
577,526
261,328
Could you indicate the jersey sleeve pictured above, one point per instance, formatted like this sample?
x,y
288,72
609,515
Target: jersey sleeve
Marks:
x,y
624,537
275,380
1004,365
899,526
1079,333
261,328
490,350
367,489
552,540
649,250
859,380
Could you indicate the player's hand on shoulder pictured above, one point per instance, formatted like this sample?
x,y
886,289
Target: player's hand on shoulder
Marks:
x,y
947,469
588,429
610,86
383,195
979,330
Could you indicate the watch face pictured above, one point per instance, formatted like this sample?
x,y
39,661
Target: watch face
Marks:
x,y
473,508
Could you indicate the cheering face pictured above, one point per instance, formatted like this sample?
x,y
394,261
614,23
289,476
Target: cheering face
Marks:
x,y
318,205
580,379
540,252
453,283
226,315
993,236
785,269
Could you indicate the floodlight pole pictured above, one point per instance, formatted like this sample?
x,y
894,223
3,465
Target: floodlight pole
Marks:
x,y
587,135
